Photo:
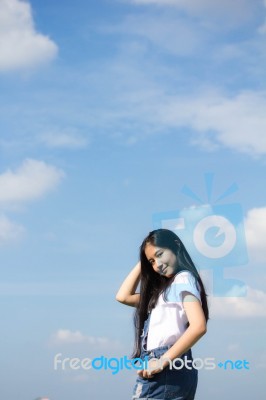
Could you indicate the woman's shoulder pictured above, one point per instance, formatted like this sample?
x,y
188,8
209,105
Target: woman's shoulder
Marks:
x,y
184,277
184,281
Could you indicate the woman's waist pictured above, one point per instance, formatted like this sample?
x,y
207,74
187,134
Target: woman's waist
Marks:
x,y
156,339
160,350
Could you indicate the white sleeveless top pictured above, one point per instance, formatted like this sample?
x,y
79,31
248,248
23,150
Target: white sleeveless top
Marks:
x,y
168,319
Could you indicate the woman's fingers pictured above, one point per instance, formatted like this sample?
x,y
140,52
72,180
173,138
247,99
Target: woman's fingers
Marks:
x,y
145,373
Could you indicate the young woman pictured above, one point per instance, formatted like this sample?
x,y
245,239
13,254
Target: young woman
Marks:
x,y
171,316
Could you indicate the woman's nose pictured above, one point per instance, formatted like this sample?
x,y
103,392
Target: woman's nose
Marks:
x,y
158,265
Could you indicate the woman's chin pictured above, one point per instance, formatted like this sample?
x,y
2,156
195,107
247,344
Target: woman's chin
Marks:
x,y
170,275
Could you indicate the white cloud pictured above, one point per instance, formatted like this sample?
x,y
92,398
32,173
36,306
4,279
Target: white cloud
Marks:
x,y
9,231
64,288
31,180
68,140
255,230
20,44
262,28
156,101
81,378
214,120
157,2
237,122
261,360
235,11
233,347
253,305
66,336
169,32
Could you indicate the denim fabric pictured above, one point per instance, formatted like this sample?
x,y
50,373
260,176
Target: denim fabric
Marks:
x,y
169,384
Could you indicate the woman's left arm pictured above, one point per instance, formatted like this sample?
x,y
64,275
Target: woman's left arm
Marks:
x,y
197,328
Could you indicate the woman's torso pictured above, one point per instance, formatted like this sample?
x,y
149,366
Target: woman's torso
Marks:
x,y
168,320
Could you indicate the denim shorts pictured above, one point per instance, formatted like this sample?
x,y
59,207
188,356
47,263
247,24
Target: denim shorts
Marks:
x,y
176,383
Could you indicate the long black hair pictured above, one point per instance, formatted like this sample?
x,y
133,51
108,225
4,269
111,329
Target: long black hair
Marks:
x,y
153,284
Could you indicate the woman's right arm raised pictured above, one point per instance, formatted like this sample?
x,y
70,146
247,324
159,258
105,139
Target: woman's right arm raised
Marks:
x,y
126,293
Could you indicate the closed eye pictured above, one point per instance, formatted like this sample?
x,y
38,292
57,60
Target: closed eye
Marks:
x,y
158,255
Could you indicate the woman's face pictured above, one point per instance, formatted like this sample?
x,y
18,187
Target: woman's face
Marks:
x,y
163,260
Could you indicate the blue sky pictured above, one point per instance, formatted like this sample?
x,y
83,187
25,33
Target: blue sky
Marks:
x,y
108,110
